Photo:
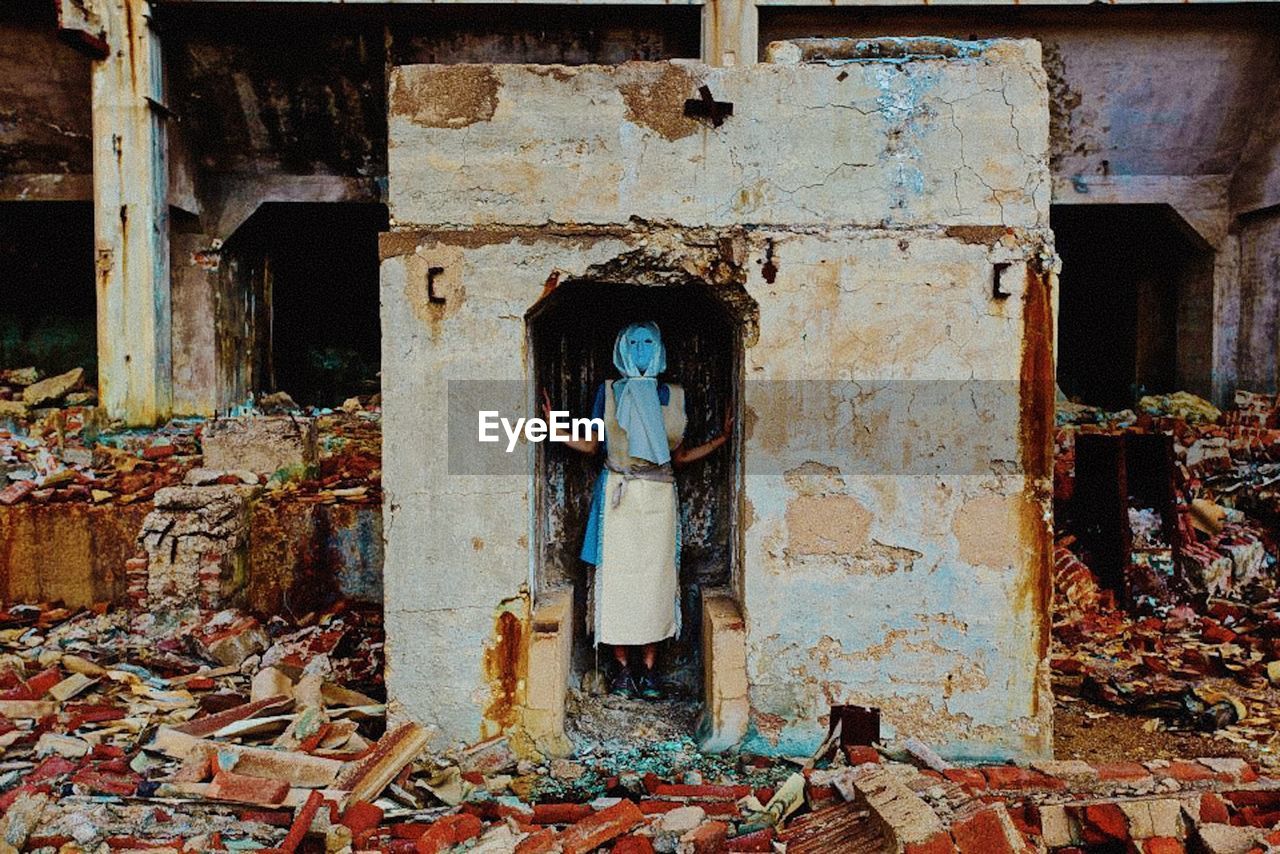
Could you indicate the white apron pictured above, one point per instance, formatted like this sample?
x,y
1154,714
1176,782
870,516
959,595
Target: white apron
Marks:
x,y
637,582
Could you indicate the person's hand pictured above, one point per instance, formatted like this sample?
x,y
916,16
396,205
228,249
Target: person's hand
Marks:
x,y
546,405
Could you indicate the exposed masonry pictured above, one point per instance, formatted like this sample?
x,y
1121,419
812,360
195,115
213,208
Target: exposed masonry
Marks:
x,y
868,221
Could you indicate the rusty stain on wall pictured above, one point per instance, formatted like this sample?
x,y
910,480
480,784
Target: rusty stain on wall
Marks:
x,y
1036,394
659,104
458,96
506,666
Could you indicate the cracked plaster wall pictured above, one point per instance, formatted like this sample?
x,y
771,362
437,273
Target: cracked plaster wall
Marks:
x,y
919,589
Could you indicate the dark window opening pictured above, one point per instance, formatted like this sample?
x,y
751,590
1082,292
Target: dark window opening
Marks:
x,y
571,336
310,273
1135,304
50,315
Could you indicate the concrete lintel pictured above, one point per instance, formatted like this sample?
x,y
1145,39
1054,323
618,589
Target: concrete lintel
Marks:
x,y
55,187
730,32
131,218
234,198
1200,200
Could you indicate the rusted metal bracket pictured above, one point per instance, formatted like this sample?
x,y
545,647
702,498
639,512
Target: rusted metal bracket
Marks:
x,y
707,107
80,26
433,297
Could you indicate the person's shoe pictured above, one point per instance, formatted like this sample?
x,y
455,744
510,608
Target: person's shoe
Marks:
x,y
623,685
649,688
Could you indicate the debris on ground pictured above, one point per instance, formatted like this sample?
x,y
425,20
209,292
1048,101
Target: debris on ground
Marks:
x,y
69,453
1165,567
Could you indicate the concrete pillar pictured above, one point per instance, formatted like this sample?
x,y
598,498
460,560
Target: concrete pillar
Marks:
x,y
131,219
730,32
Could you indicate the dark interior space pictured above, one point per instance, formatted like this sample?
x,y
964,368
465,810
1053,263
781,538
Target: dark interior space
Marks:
x,y
572,334
260,87
313,272
49,317
1122,332
565,35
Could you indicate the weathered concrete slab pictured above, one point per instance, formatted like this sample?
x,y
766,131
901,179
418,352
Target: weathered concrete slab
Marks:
x,y
894,513
259,443
929,141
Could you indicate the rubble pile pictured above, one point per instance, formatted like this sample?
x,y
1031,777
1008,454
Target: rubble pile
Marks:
x,y
72,455
1183,632
231,735
24,389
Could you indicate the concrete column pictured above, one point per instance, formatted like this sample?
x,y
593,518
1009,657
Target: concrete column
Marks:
x,y
131,220
730,32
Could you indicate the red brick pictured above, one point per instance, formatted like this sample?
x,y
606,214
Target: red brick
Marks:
x,y
720,809
409,829
761,840
597,829
1026,817
542,842
940,844
1163,845
302,822
820,796
1122,771
449,831
1213,810
982,832
969,777
1255,817
1187,772
860,754
1009,777
709,838
40,684
1266,799
230,786
658,807
362,816
633,845
560,813
701,790
1101,823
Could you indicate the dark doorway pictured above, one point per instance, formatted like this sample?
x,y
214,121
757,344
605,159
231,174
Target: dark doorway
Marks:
x,y
1135,304
571,334
312,273
50,315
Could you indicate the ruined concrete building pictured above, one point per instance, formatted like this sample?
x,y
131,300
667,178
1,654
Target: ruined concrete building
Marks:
x,y
875,231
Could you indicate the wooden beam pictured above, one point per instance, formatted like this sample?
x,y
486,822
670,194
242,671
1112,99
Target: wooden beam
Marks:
x,y
131,218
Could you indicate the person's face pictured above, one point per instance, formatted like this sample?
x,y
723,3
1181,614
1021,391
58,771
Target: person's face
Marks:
x,y
641,345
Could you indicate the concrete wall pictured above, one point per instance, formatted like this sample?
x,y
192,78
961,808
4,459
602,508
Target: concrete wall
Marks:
x,y
863,208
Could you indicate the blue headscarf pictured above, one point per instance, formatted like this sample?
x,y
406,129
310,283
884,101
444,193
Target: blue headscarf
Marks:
x,y
639,410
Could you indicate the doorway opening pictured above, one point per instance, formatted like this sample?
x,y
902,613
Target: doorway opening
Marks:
x,y
50,316
308,276
571,334
1136,304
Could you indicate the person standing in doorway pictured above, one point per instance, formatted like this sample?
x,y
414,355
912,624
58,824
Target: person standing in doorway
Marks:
x,y
633,529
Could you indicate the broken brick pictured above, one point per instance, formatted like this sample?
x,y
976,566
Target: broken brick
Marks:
x,y
757,841
230,786
708,838
449,831
633,845
597,829
939,843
